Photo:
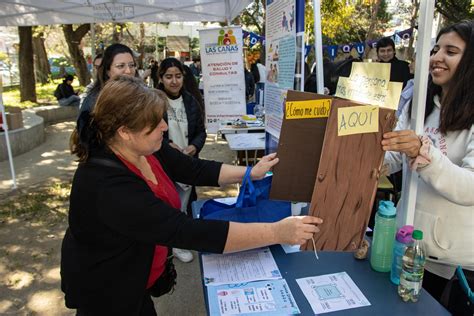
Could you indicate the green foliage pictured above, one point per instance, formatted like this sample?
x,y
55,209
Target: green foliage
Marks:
x,y
252,18
346,21
44,95
455,10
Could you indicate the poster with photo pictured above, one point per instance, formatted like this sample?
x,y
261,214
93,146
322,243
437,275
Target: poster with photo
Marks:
x,y
223,75
280,60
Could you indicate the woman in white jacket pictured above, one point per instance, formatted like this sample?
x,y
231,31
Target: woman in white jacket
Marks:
x,y
443,157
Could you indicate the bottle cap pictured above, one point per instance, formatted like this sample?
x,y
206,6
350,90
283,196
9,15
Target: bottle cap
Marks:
x,y
387,208
417,234
404,234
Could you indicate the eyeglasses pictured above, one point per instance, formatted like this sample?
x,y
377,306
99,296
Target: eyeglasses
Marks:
x,y
123,65
464,284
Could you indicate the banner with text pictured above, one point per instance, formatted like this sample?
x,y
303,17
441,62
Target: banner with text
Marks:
x,y
280,61
223,75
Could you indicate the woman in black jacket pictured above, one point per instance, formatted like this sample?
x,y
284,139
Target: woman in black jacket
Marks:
x,y
124,210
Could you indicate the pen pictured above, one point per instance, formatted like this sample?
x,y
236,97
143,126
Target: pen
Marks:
x,y
314,248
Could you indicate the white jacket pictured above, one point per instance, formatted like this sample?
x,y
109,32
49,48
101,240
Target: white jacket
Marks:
x,y
445,198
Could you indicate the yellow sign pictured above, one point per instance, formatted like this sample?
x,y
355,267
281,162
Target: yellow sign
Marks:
x,y
376,95
357,120
307,109
369,83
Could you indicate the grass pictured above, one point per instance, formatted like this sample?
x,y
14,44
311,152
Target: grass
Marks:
x,y
44,95
48,203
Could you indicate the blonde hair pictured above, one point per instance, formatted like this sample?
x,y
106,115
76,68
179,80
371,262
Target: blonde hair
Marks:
x,y
123,101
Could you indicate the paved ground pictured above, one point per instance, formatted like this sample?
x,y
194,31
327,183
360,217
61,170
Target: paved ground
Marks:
x,y
29,258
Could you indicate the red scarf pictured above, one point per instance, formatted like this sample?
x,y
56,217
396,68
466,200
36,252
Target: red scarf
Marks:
x,y
165,191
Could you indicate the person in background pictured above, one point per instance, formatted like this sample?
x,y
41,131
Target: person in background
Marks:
x,y
154,66
186,131
443,157
260,84
124,210
117,60
196,67
399,71
95,64
65,93
249,84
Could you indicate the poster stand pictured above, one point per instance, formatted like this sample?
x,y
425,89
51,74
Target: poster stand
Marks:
x,y
7,138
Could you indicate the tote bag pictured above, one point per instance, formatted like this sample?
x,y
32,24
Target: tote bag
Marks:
x,y
252,204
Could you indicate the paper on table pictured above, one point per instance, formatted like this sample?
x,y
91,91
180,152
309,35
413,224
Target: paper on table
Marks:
x,y
291,248
246,266
332,292
227,200
263,297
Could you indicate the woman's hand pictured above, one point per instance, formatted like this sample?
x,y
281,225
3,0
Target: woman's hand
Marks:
x,y
175,146
406,142
296,230
190,150
263,166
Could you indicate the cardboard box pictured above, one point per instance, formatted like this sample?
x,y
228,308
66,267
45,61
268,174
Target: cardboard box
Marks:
x,y
14,118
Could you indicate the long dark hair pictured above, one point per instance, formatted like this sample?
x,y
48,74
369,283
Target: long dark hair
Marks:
x,y
165,65
107,60
457,110
191,86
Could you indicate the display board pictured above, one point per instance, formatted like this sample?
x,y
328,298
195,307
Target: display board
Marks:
x,y
299,146
348,172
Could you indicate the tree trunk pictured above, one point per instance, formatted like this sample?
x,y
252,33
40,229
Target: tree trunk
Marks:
x,y
141,45
27,71
413,22
73,39
42,68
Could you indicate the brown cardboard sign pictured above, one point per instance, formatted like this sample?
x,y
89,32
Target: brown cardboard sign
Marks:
x,y
299,147
347,178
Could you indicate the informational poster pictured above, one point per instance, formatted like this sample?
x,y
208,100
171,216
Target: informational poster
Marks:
x,y
223,75
269,297
332,292
280,60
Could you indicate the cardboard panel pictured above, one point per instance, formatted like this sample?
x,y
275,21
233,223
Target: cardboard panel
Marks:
x,y
346,182
299,150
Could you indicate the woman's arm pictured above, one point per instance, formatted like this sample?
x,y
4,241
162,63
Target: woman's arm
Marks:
x,y
234,174
291,230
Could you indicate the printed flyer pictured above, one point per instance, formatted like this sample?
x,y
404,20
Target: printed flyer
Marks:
x,y
261,298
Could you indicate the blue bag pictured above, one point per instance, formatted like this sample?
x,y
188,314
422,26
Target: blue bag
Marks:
x,y
252,204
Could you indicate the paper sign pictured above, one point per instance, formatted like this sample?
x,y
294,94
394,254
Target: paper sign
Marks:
x,y
371,74
376,95
307,109
357,120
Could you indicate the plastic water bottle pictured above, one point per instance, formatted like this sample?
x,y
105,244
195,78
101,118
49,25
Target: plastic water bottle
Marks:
x,y
384,236
403,239
413,269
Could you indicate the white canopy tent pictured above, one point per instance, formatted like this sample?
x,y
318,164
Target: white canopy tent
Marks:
x,y
46,12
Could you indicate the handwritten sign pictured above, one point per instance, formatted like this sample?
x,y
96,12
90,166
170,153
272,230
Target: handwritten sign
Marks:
x,y
377,95
307,109
369,83
357,120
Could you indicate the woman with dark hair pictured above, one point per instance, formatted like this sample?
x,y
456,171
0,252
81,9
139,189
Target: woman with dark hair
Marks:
x,y
443,157
117,60
124,211
186,131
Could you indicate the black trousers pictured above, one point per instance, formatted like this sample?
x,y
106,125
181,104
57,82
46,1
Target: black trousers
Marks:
x,y
434,284
147,309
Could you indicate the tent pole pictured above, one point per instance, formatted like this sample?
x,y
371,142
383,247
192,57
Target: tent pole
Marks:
x,y
7,137
227,12
318,47
406,214
299,76
93,41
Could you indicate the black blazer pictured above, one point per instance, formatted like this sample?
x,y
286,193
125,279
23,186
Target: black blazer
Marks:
x,y
399,72
114,223
196,129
